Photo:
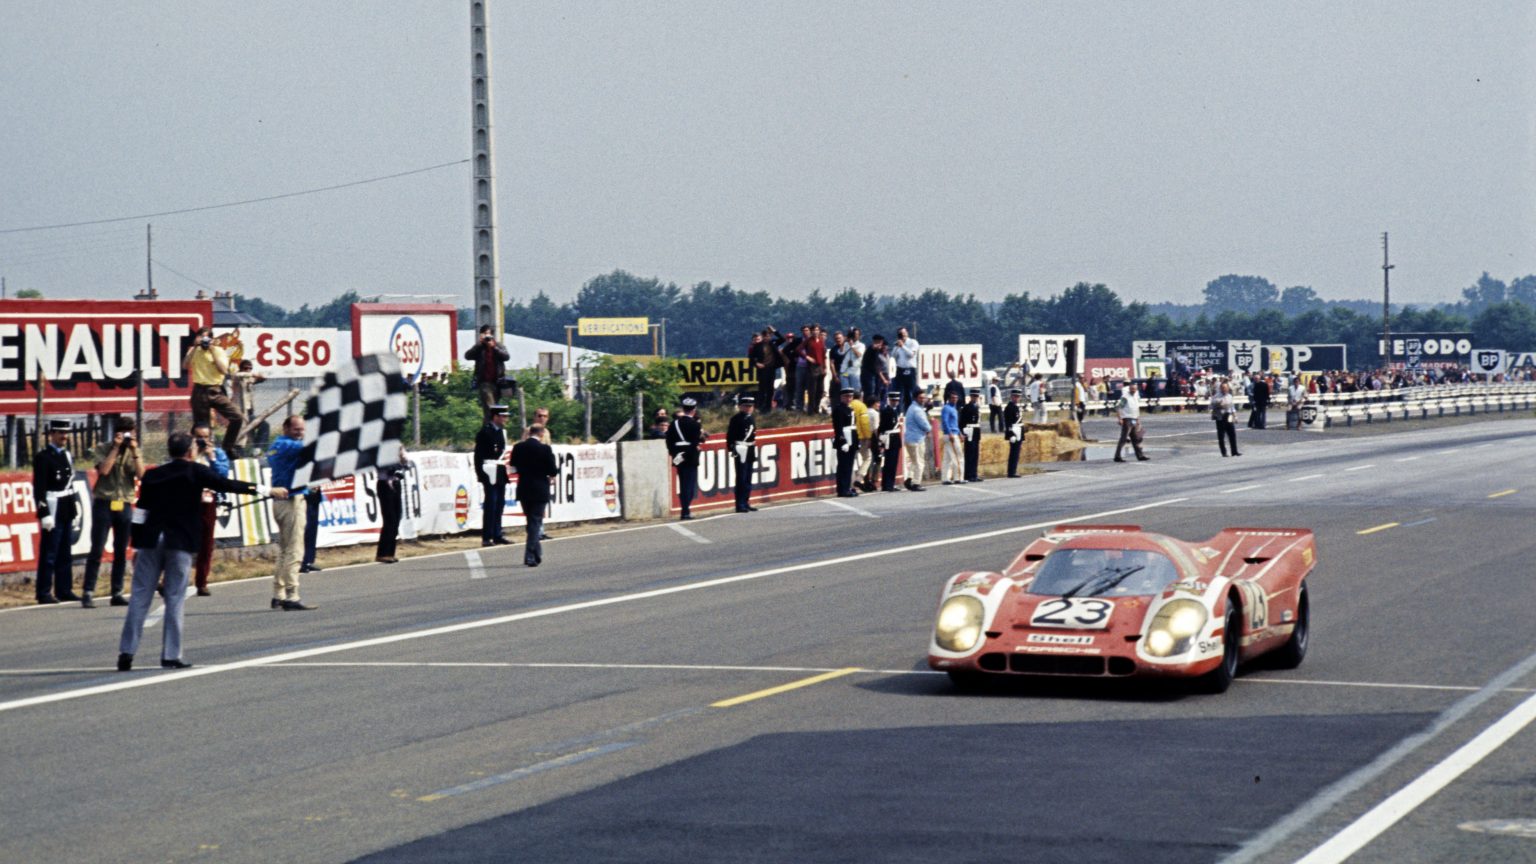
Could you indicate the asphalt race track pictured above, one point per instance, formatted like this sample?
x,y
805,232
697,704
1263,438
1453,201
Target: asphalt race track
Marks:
x,y
753,688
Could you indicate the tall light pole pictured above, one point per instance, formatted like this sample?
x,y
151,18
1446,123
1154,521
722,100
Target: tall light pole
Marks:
x,y
1386,302
488,305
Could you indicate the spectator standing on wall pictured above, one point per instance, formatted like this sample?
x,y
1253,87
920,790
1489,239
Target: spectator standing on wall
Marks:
x,y
764,356
205,453
836,352
119,467
815,350
853,361
905,355
243,385
874,377
790,362
209,367
490,358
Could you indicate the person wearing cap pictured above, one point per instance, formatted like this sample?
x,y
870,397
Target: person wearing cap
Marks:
x,y
119,467
1013,429
741,443
949,427
534,462
167,539
53,491
970,427
845,438
491,470
684,439
916,428
887,447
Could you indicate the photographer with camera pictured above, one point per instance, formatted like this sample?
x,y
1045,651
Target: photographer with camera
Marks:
x,y
490,359
904,352
119,468
209,366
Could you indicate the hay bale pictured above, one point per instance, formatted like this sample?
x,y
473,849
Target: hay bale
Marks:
x,y
1039,446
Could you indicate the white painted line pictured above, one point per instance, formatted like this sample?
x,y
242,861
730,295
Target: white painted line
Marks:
x,y
974,488
1241,489
1359,467
1484,444
1307,477
157,614
1450,451
851,509
686,533
476,566
1408,459
1325,801
410,635
1405,800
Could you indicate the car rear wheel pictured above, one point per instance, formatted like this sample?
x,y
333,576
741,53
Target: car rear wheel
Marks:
x,y
1290,655
1220,678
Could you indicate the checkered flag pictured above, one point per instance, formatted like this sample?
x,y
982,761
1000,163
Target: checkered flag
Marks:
x,y
354,420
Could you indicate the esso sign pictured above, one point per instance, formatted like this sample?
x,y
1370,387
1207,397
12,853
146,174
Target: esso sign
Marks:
x,y
407,342
290,352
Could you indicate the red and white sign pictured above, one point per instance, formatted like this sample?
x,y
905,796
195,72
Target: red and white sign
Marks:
x,y
793,462
422,335
88,353
291,352
939,364
1099,367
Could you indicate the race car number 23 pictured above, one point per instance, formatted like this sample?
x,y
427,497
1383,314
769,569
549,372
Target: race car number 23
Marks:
x,y
1075,613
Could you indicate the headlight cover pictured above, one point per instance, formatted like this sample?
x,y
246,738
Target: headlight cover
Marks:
x,y
1175,627
958,627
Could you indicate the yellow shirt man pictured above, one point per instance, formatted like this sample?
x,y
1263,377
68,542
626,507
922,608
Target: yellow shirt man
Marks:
x,y
208,366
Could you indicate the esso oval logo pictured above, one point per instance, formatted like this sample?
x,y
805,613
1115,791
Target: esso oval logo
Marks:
x,y
407,341
276,352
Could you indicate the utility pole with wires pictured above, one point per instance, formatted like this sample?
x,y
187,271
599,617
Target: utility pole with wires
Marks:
x,y
1386,302
149,261
488,305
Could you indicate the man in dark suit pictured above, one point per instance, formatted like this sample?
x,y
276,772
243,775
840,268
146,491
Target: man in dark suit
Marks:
x,y
534,463
889,440
970,427
490,447
1258,411
741,444
167,536
684,438
53,490
1013,429
845,438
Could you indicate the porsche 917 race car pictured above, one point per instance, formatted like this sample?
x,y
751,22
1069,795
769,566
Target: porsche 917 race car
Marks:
x,y
1117,601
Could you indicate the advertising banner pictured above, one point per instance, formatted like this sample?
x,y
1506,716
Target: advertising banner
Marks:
x,y
289,352
1149,349
1419,350
90,352
1305,358
613,326
717,373
1052,354
1187,356
793,462
1100,367
422,335
938,364
1521,359
1488,361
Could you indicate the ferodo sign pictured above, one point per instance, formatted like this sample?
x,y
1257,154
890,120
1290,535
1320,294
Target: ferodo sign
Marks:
x,y
290,352
938,364
89,352
1429,349
717,373
794,462
422,335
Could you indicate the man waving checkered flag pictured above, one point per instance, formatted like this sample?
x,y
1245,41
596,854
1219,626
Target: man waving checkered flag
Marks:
x,y
355,418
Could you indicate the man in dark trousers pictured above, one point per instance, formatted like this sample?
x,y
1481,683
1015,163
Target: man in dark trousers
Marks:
x,y
888,440
1013,429
1260,403
535,465
684,439
490,359
764,356
970,427
167,535
53,490
845,436
391,508
491,469
741,444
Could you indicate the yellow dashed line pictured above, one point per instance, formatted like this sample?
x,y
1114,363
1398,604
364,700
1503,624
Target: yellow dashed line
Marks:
x,y
1379,528
782,688
1505,492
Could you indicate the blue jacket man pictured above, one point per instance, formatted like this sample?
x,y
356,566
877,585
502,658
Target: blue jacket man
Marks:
x,y
918,428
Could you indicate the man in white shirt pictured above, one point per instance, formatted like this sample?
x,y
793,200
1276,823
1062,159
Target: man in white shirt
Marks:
x,y
904,355
1296,397
1129,411
1037,394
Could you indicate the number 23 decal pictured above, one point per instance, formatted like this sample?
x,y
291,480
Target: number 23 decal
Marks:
x,y
1076,613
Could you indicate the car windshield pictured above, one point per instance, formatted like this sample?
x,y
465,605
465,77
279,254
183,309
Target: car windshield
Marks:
x,y
1104,573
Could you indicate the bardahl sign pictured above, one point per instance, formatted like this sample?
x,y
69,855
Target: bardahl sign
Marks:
x,y
89,354
717,373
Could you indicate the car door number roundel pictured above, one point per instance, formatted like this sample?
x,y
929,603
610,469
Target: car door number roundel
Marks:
x,y
1073,613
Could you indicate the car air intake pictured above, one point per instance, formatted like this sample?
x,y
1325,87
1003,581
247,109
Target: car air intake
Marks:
x,y
1051,664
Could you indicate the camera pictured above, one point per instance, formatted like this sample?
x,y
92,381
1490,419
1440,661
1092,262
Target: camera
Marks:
x,y
205,342
127,437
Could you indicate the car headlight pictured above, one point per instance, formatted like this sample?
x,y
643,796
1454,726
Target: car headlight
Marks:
x,y
1175,626
958,627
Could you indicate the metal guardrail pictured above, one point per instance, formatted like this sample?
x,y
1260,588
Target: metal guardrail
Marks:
x,y
1364,406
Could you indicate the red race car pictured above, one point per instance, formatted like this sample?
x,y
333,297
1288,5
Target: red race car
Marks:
x,y
1117,601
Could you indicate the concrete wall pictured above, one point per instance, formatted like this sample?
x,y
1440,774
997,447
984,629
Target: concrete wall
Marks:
x,y
645,479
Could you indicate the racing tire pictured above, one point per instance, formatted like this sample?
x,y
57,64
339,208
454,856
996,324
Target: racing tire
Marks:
x,y
1219,679
1290,655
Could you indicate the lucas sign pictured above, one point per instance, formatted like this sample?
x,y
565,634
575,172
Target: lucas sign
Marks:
x,y
939,364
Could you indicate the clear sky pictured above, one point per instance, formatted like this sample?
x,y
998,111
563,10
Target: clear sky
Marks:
x,y
783,146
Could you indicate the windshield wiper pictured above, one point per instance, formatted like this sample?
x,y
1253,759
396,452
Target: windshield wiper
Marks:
x,y
1118,577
